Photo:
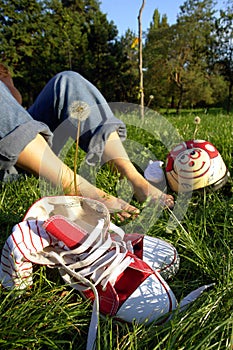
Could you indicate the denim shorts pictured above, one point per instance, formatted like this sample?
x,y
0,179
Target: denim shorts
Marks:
x,y
54,104
17,129
52,111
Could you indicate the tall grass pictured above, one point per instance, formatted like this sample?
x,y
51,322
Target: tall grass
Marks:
x,y
53,316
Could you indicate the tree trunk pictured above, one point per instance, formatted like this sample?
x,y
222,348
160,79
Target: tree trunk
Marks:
x,y
141,86
178,108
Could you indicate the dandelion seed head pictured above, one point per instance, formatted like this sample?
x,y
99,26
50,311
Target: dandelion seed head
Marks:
x,y
197,120
79,110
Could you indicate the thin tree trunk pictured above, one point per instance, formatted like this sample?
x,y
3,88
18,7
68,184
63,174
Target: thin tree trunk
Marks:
x,y
141,86
178,108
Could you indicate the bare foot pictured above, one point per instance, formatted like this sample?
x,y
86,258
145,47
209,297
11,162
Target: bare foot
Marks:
x,y
141,187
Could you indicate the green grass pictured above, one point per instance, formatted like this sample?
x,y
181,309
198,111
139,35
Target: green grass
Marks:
x,y
52,316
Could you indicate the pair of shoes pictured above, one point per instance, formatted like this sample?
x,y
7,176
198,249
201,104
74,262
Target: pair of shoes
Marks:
x,y
121,273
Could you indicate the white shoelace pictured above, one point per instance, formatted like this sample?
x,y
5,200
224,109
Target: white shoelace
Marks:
x,y
96,261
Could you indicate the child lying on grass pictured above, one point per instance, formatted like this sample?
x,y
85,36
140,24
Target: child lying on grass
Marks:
x,y
26,138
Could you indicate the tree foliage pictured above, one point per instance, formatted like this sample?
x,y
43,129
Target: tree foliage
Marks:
x,y
178,57
224,48
186,64
40,38
156,52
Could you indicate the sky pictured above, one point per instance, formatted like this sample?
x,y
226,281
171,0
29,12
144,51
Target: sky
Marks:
x,y
124,13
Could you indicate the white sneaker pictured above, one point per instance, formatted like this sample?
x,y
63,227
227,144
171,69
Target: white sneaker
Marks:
x,y
160,255
95,257
101,268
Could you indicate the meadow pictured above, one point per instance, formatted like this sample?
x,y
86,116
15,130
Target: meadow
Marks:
x,y
53,316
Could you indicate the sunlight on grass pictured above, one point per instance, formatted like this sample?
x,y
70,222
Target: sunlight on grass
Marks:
x,y
53,316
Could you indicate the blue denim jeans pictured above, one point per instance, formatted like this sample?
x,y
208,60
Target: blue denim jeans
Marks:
x,y
52,111
53,107
17,128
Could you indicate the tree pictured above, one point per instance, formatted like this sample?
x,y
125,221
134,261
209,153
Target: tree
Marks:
x,y
177,56
40,38
140,59
34,42
156,50
125,85
19,29
193,37
224,48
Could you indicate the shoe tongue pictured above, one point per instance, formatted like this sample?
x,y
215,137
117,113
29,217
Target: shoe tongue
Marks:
x,y
71,234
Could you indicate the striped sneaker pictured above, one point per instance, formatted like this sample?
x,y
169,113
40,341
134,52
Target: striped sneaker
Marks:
x,y
158,254
73,235
95,257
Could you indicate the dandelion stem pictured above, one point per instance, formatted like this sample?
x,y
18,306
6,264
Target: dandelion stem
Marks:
x,y
195,132
80,111
197,121
76,158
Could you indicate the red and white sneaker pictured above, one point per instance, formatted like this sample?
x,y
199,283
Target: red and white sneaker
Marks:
x,y
74,234
158,254
81,247
127,287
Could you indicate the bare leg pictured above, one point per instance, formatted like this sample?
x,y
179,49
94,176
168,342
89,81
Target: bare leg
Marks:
x,y
115,154
38,158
